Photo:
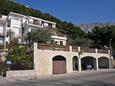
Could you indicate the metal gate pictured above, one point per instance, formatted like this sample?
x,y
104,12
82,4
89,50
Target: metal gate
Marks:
x,y
59,67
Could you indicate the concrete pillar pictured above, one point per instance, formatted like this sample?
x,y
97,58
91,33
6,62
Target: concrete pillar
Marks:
x,y
69,65
97,65
35,45
78,49
35,49
96,50
79,64
40,22
70,48
79,60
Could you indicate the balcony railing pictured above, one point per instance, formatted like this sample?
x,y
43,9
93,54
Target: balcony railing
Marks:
x,y
88,50
53,47
67,48
34,23
74,49
102,51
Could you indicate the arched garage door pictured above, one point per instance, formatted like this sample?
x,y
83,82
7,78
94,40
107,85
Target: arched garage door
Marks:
x,y
86,61
103,62
59,65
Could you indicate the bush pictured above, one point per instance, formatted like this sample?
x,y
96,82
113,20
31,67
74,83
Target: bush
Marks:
x,y
3,68
21,66
1,46
21,57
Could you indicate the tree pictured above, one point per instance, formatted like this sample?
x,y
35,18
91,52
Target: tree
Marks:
x,y
101,36
66,28
73,33
39,36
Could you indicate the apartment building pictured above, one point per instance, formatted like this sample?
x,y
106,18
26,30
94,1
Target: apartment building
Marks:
x,y
20,25
2,29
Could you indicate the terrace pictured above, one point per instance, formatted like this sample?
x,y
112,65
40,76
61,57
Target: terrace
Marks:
x,y
67,48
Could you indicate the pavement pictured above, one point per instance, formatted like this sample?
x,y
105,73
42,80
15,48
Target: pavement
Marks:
x,y
85,78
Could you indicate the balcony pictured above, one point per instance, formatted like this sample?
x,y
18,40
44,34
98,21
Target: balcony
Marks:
x,y
53,47
67,48
2,34
35,24
88,50
102,51
74,49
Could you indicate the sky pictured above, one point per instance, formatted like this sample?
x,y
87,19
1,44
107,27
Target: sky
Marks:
x,y
76,11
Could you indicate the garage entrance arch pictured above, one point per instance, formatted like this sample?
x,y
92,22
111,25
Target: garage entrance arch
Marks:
x,y
103,62
59,65
88,63
75,63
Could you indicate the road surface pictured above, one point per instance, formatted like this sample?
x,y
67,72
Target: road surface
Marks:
x,y
89,78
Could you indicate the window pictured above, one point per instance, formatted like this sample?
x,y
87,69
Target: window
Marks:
x,y
36,22
61,42
50,25
8,22
16,27
56,42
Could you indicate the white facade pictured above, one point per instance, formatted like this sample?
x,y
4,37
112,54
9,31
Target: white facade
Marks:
x,y
20,25
2,29
59,40
15,23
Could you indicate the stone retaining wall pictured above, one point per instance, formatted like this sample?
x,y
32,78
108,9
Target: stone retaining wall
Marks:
x,y
20,73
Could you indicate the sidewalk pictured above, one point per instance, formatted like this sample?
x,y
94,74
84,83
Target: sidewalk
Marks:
x,y
57,76
3,80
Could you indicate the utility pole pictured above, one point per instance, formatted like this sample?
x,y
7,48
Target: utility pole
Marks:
x,y
110,53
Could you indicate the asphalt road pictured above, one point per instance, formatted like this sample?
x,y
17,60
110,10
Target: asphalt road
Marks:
x,y
89,78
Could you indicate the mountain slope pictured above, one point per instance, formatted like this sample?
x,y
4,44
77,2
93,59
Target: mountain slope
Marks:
x,y
67,28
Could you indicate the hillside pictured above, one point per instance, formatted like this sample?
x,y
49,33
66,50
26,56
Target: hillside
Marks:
x,y
90,26
7,6
67,28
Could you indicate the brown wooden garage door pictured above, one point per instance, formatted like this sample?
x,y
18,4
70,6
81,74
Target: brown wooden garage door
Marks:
x,y
59,67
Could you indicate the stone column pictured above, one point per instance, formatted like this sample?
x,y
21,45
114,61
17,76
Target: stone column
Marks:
x,y
35,46
70,48
97,64
35,55
79,64
79,60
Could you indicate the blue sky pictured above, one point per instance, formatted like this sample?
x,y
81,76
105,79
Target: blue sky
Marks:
x,y
76,11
